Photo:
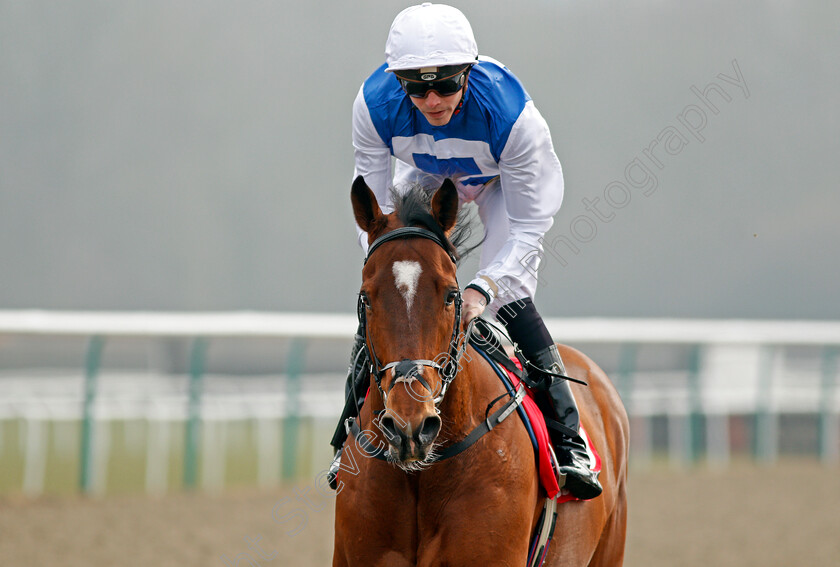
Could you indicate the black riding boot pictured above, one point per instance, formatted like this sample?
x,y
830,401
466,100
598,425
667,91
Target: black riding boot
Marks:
x,y
553,395
355,390
555,399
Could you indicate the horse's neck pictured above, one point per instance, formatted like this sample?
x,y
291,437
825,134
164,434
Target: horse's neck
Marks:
x,y
465,403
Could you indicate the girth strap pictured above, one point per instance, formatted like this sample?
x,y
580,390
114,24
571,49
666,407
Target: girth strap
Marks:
x,y
543,534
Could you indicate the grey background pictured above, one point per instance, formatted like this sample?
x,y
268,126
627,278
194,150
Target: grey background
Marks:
x,y
196,155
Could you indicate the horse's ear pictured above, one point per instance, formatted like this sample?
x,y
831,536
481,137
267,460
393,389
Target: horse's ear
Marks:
x,y
365,208
445,205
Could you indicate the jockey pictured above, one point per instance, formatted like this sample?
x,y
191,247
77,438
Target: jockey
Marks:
x,y
443,111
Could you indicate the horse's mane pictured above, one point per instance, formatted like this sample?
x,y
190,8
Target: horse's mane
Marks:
x,y
413,206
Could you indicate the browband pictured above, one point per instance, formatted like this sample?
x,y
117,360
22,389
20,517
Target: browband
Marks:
x,y
409,232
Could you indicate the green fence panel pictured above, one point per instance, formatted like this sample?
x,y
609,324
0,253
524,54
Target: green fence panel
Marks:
x,y
291,425
765,442
92,364
193,425
828,433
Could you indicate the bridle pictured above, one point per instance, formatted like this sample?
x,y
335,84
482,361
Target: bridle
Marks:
x,y
407,370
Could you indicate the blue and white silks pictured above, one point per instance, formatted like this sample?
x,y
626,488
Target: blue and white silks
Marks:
x,y
498,151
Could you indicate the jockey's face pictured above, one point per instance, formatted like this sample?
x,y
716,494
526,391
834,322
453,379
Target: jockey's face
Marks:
x,y
438,109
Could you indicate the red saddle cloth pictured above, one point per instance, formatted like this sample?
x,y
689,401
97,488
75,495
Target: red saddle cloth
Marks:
x,y
545,456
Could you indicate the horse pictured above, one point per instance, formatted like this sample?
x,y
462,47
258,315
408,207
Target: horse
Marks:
x,y
429,390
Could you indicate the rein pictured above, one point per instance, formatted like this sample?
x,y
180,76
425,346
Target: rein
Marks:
x,y
456,448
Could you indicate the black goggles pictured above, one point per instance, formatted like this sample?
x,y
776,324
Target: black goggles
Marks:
x,y
419,83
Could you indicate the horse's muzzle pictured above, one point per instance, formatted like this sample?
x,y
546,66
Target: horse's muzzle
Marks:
x,y
409,444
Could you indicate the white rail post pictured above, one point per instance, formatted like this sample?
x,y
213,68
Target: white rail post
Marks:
x,y
35,464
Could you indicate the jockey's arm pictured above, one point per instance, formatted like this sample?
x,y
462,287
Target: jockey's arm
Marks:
x,y
372,159
532,183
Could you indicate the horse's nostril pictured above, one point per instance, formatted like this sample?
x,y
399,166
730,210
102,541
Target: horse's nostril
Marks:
x,y
429,429
390,431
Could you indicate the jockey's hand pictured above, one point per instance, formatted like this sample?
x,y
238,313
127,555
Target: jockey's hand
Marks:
x,y
473,305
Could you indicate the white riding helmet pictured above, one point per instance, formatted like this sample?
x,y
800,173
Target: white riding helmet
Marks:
x,y
430,35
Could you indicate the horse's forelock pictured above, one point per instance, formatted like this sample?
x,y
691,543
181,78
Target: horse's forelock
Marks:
x,y
413,206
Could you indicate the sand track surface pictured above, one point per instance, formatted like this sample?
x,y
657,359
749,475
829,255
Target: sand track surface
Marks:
x,y
781,516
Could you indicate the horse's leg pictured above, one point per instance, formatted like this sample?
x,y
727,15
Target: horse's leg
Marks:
x,y
484,520
577,532
373,528
610,551
373,551
338,555
379,546
388,559
483,545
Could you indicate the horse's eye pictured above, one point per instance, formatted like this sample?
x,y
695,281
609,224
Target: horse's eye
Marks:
x,y
365,300
451,296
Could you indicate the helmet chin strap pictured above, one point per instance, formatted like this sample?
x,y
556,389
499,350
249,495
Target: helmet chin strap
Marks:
x,y
463,94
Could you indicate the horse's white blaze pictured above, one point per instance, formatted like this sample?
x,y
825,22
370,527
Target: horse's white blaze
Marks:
x,y
406,276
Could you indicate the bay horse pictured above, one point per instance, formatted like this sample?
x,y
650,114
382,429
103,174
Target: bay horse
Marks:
x,y
479,507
